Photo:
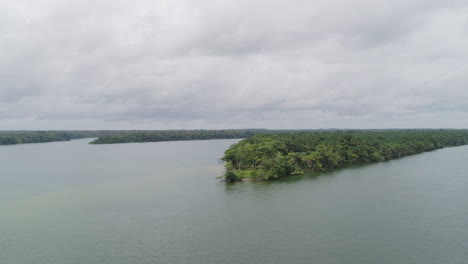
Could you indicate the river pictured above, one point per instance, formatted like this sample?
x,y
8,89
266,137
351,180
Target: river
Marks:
x,y
71,202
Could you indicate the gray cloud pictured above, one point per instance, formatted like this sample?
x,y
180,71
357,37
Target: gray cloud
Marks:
x,y
215,64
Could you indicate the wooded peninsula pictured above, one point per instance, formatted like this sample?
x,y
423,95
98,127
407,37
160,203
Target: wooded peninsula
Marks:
x,y
176,135
23,137
130,136
271,154
267,157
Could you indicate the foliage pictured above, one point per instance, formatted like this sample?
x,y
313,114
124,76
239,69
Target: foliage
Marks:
x,y
126,136
266,157
174,135
22,137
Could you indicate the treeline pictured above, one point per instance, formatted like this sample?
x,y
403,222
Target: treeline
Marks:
x,y
174,135
22,137
128,136
266,157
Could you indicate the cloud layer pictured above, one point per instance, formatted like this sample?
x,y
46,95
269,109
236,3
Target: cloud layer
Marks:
x,y
233,64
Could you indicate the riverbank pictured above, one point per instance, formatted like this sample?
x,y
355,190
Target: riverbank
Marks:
x,y
267,157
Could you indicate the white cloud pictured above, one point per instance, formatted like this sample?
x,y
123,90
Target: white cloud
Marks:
x,y
215,64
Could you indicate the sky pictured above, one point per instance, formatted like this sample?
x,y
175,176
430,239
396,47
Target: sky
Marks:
x,y
213,64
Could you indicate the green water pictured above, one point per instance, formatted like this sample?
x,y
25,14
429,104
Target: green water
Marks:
x,y
70,202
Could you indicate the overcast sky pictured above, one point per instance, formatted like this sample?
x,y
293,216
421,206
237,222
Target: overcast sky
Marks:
x,y
233,64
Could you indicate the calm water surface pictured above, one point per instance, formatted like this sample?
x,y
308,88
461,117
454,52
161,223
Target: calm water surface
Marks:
x,y
70,202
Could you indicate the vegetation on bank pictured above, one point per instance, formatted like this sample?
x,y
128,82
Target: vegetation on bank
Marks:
x,y
175,135
22,137
266,157
127,136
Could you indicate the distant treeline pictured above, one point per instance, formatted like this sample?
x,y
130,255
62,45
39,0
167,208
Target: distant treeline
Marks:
x,y
128,136
266,157
174,135
22,137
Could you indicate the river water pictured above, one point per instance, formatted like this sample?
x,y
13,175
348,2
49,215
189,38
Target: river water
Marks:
x,y
71,202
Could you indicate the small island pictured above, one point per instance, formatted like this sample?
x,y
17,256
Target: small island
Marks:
x,y
268,157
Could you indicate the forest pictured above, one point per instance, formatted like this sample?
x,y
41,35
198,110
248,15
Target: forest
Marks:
x,y
130,136
23,137
267,157
175,135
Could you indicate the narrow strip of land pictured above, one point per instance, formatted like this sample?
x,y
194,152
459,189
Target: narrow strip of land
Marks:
x,y
176,135
130,136
25,137
266,157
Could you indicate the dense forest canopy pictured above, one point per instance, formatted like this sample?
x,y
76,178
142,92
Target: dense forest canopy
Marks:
x,y
22,137
127,136
266,157
174,135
